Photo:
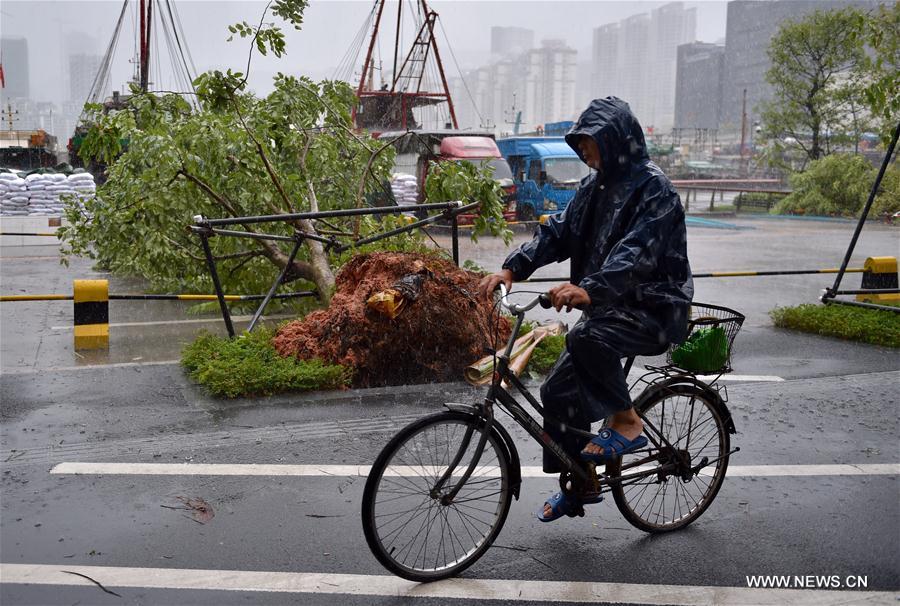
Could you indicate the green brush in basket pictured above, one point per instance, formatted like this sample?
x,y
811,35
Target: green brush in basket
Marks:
x,y
706,350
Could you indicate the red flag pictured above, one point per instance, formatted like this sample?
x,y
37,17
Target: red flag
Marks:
x,y
2,78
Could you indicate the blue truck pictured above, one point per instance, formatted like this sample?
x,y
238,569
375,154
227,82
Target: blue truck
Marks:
x,y
546,173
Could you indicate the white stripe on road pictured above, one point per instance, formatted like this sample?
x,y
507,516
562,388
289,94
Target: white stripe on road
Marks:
x,y
248,469
32,370
29,370
176,322
742,378
464,589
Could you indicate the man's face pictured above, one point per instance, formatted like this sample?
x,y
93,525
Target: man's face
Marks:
x,y
590,152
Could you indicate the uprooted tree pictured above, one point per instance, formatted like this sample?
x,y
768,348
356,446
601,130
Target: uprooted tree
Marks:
x,y
235,154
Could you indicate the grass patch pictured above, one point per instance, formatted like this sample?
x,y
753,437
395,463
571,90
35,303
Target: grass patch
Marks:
x,y
248,365
872,326
546,353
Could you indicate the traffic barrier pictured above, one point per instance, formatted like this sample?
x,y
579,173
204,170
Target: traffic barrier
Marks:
x,y
91,314
740,274
145,297
883,265
881,274
51,234
91,308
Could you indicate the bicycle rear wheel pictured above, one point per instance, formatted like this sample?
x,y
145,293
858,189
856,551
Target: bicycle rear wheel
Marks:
x,y
666,501
409,528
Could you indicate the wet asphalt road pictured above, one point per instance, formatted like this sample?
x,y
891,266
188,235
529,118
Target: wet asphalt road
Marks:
x,y
844,525
838,405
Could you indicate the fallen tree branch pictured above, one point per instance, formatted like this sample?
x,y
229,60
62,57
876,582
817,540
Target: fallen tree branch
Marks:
x,y
97,583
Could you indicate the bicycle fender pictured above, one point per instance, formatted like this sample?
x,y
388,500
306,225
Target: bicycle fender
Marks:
x,y
515,468
505,440
714,398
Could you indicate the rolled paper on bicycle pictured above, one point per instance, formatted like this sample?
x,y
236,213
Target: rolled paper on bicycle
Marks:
x,y
517,365
481,371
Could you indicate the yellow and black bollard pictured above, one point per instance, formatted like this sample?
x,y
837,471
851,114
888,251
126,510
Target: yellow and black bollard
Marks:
x,y
881,272
91,314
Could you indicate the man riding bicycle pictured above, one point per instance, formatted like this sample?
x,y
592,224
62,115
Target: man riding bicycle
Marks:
x,y
625,237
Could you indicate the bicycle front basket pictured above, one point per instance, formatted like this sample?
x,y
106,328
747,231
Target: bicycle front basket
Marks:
x,y
709,344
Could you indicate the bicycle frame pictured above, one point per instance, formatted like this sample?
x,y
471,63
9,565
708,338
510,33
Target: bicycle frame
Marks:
x,y
498,394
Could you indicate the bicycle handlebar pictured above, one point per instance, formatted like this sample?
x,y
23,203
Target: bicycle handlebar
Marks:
x,y
517,309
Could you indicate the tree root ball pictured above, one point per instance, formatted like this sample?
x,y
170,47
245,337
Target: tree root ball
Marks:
x,y
446,328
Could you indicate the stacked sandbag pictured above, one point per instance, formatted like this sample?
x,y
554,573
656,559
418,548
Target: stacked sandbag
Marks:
x,y
83,185
44,192
13,195
405,189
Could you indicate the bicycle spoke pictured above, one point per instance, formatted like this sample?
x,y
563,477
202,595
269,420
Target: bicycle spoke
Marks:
x,y
690,424
407,522
426,513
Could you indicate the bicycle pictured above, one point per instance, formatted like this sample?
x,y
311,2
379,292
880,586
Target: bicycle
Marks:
x,y
439,492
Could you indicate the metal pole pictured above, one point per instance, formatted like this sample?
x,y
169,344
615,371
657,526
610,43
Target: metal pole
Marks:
x,y
454,234
396,44
830,294
362,77
440,65
896,310
348,212
743,128
401,230
204,240
256,236
200,297
277,283
252,235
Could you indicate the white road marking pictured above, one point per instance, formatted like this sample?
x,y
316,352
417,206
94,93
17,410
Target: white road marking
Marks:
x,y
251,469
390,586
30,370
176,322
743,378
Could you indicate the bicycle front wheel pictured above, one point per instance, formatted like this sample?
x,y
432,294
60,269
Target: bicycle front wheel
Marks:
x,y
670,500
409,524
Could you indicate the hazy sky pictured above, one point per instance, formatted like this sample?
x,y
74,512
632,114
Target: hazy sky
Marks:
x,y
56,28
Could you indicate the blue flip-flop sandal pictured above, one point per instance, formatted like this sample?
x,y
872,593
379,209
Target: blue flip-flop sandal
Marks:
x,y
613,444
561,506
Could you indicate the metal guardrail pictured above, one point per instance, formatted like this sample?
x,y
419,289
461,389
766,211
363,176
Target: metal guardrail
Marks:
x,y
206,228
740,274
160,297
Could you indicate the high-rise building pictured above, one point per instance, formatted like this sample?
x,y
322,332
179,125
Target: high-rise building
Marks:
x,y
750,28
550,83
14,53
537,86
633,76
698,85
635,59
606,58
510,41
670,26
83,68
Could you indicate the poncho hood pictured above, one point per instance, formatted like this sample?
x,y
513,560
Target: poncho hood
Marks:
x,y
617,132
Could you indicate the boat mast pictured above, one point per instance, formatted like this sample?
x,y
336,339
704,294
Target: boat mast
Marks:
x,y
146,9
391,107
